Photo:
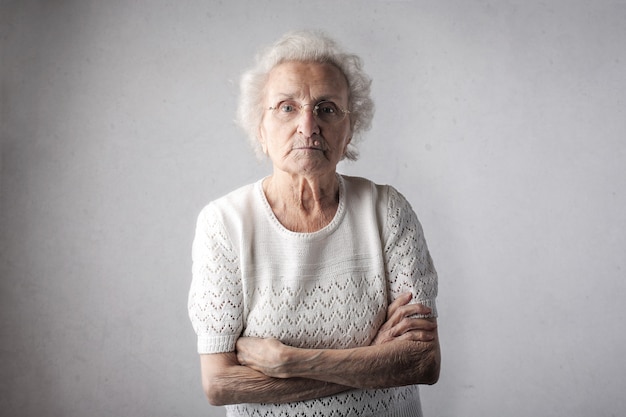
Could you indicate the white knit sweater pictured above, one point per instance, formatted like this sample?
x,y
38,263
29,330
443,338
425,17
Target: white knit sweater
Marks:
x,y
327,289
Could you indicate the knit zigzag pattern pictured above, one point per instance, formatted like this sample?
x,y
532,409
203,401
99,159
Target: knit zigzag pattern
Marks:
x,y
329,289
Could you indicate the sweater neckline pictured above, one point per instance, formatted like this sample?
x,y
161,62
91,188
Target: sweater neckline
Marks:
x,y
325,231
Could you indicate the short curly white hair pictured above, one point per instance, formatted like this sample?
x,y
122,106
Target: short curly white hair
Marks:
x,y
306,46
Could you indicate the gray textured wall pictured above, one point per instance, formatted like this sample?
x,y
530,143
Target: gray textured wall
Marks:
x,y
503,123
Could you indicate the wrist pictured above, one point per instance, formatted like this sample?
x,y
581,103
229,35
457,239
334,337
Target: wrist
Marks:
x,y
289,359
303,363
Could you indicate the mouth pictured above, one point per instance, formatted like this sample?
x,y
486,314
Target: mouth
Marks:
x,y
308,148
316,146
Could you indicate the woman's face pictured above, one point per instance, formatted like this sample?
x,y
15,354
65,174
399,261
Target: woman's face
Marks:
x,y
302,143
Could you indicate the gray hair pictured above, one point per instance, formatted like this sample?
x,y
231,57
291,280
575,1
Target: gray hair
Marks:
x,y
306,46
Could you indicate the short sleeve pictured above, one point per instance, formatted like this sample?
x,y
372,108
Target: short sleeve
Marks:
x,y
409,265
215,301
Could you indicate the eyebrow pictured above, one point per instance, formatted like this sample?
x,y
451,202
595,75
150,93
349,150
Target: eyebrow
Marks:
x,y
325,97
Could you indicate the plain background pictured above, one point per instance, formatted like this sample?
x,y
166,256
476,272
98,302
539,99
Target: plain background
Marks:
x,y
503,123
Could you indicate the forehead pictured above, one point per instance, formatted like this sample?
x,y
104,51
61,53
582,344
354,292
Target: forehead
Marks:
x,y
294,79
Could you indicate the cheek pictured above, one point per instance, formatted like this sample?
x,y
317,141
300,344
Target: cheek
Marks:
x,y
273,136
347,135
267,132
260,136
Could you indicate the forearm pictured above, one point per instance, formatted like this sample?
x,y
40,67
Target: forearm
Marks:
x,y
231,383
404,352
391,364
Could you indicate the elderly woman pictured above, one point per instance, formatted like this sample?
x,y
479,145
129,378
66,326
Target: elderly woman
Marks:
x,y
313,293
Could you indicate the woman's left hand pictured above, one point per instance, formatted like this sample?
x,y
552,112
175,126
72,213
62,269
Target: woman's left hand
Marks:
x,y
402,323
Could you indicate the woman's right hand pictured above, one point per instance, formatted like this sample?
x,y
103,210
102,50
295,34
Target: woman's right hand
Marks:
x,y
402,325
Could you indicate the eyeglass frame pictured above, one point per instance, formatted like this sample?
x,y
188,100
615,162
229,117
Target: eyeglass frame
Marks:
x,y
314,109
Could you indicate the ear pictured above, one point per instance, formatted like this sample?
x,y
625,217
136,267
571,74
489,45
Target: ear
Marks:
x,y
345,147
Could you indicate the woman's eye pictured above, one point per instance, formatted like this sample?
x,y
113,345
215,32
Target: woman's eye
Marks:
x,y
327,108
287,108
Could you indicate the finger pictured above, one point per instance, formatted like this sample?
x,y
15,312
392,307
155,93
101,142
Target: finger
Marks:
x,y
413,309
399,302
406,311
418,336
409,324
402,300
406,326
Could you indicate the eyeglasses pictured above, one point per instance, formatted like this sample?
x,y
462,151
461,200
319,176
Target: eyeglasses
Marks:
x,y
325,111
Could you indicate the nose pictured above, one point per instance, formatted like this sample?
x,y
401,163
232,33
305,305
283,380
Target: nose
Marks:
x,y
307,122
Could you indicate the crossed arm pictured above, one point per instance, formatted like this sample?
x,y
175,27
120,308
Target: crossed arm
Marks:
x,y
405,351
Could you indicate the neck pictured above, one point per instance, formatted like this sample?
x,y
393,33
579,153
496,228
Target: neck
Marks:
x,y
302,204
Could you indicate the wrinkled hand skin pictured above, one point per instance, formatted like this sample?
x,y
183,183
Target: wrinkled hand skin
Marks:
x,y
271,357
400,325
263,355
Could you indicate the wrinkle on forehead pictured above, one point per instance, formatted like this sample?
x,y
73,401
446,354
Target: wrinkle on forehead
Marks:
x,y
306,81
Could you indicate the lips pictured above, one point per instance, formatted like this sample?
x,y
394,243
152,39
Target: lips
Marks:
x,y
316,146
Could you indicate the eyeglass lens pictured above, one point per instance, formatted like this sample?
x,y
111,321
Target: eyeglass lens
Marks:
x,y
326,111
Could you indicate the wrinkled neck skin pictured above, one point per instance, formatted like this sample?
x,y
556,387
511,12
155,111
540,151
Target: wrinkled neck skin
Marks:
x,y
302,204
